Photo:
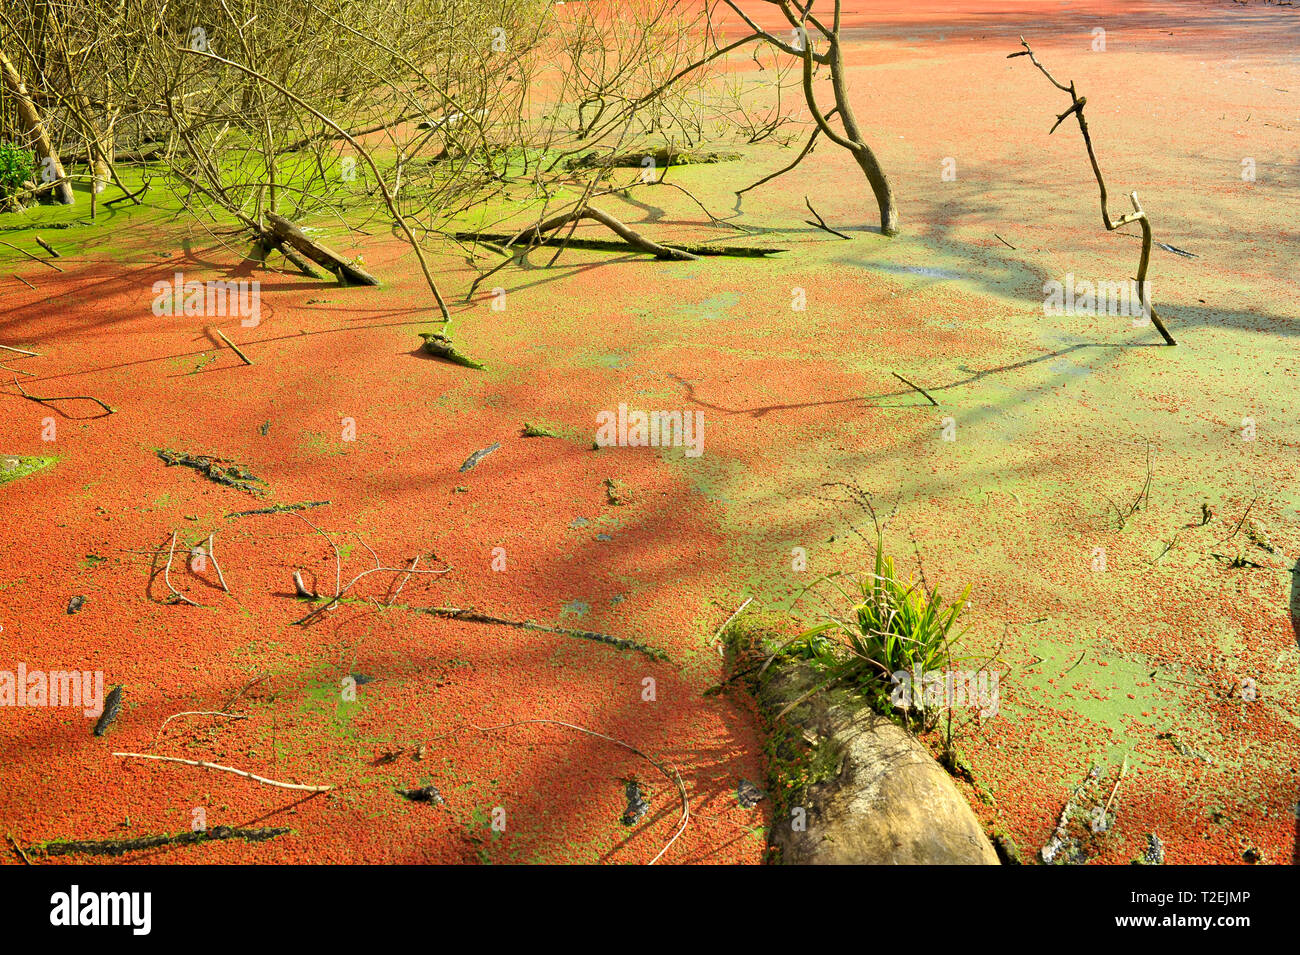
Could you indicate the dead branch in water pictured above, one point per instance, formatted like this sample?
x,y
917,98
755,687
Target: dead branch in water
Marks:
x,y
280,509
300,588
1137,215
171,553
45,401
34,258
290,235
700,250
415,563
389,199
246,360
134,197
212,554
227,769
365,573
116,847
916,387
821,223
632,238
473,616
246,687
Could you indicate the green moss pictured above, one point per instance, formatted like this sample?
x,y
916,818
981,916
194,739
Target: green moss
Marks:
x,y
12,467
794,764
316,442
545,429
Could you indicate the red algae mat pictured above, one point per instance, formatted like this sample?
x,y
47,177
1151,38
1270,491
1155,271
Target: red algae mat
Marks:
x,y
1139,649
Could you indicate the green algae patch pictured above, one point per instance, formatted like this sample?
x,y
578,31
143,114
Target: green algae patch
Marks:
x,y
13,467
543,428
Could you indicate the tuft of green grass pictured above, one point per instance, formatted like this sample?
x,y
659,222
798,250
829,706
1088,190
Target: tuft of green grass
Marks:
x,y
892,625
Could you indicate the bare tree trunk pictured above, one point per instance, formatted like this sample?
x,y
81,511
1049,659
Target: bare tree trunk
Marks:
x,y
35,129
880,186
866,159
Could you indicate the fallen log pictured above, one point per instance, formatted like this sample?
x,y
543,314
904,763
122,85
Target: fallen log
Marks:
x,y
288,234
116,847
663,157
266,243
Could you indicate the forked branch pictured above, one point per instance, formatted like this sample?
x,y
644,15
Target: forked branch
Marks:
x,y
1077,103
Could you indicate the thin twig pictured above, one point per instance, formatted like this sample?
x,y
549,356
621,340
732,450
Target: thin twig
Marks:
x,y
414,564
229,716
247,686
917,387
1168,548
718,635
35,258
821,223
1244,515
808,147
1122,773
134,196
246,359
473,616
21,351
18,848
673,777
227,769
167,575
44,401
211,553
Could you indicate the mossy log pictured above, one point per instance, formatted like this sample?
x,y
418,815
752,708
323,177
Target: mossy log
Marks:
x,y
291,235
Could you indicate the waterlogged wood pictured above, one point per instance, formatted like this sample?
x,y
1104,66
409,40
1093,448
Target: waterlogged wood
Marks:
x,y
117,847
441,346
661,157
630,236
288,233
